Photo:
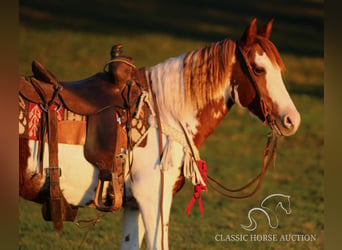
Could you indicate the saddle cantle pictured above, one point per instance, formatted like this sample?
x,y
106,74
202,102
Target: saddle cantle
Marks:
x,y
109,100
84,97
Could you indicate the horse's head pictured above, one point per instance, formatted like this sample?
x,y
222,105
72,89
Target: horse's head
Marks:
x,y
257,82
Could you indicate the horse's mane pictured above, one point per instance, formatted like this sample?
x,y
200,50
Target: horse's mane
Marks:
x,y
206,72
206,75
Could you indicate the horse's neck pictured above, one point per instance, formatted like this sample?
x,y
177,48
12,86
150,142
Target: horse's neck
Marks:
x,y
168,85
209,118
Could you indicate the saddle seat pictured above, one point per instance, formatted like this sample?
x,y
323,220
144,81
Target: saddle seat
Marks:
x,y
83,97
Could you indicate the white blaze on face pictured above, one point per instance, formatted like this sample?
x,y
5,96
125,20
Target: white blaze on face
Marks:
x,y
274,82
290,118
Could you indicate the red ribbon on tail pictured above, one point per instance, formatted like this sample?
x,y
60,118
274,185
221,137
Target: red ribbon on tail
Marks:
x,y
199,188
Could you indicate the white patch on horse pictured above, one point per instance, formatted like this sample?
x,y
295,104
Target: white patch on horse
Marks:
x,y
217,114
75,169
147,170
224,106
168,84
236,95
275,84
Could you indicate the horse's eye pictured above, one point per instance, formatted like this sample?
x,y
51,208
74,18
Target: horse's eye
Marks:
x,y
259,70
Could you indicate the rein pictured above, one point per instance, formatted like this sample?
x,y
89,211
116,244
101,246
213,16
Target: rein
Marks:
x,y
89,225
269,156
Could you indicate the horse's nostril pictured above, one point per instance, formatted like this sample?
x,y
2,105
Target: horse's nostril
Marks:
x,y
288,122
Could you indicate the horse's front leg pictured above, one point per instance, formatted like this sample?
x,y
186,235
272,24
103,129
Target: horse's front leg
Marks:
x,y
146,186
149,197
133,228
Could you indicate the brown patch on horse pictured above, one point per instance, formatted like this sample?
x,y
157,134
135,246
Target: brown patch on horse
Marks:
x,y
241,83
30,186
178,184
209,117
207,72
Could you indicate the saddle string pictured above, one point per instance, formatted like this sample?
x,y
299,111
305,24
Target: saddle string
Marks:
x,y
143,99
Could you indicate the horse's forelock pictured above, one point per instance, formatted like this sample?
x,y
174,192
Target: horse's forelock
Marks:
x,y
271,51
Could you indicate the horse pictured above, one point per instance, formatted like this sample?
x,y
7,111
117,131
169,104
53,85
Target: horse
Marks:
x,y
193,93
267,211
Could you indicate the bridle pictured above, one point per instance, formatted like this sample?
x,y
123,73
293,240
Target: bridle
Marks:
x,y
265,107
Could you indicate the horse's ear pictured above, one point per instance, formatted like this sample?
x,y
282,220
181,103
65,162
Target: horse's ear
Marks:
x,y
266,30
249,34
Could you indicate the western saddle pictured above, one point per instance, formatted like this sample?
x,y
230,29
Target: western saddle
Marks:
x,y
109,100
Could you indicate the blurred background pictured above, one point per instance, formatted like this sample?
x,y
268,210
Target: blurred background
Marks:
x,y
73,40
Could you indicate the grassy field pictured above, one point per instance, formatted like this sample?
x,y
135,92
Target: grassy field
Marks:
x,y
74,42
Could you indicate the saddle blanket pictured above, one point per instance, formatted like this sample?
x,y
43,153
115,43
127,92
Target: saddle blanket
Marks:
x,y
71,126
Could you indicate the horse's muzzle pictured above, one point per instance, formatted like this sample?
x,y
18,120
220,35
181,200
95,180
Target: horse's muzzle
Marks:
x,y
289,122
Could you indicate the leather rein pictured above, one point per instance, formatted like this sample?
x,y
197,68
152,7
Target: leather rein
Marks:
x,y
269,151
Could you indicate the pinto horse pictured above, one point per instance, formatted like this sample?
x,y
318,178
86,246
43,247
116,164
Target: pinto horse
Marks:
x,y
193,93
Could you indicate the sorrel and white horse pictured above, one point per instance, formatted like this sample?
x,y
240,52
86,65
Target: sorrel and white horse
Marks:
x,y
194,92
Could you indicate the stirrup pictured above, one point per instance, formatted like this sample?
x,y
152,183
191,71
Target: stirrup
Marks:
x,y
98,198
116,196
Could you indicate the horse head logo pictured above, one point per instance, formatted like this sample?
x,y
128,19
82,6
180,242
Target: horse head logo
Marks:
x,y
268,207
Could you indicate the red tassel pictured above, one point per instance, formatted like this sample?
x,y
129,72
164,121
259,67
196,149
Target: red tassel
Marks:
x,y
202,165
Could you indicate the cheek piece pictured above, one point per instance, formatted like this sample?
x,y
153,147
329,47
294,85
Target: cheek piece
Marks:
x,y
265,108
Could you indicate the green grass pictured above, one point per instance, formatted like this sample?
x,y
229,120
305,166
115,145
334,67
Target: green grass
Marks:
x,y
233,152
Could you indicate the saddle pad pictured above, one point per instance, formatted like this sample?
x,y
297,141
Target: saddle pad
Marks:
x,y
71,126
